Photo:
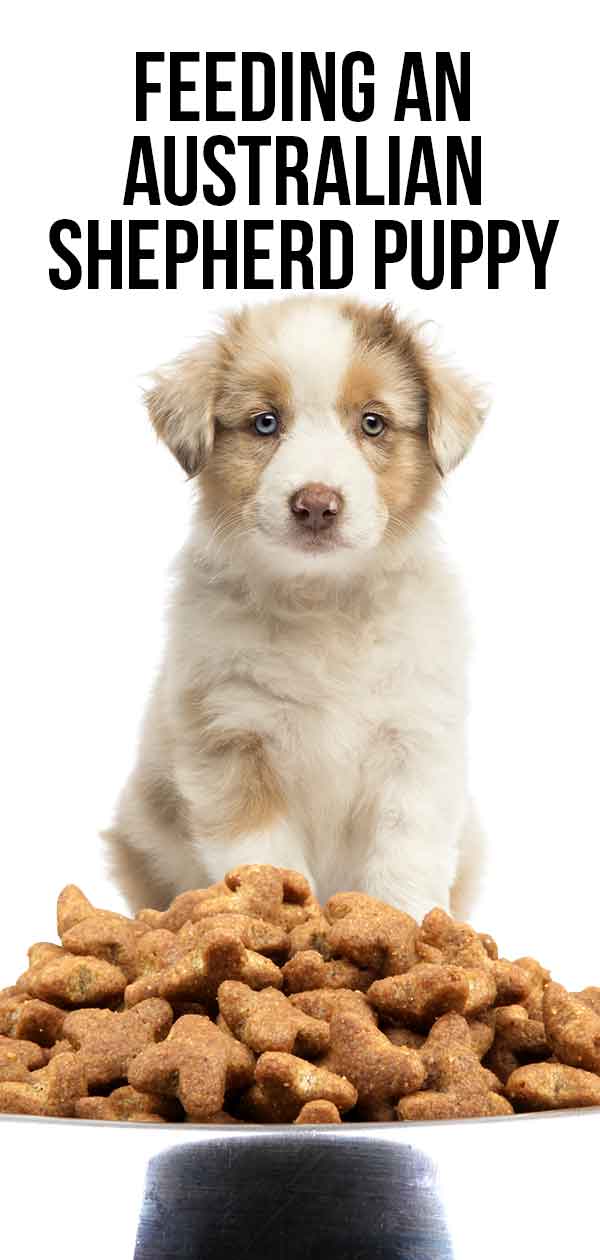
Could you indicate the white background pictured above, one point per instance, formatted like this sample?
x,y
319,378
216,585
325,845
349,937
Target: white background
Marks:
x,y
93,510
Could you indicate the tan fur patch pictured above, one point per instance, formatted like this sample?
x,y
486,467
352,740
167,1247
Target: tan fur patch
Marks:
x,y
260,799
253,798
250,382
385,377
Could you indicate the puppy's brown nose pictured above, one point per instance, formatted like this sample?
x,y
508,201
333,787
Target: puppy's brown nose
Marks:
x,y
316,506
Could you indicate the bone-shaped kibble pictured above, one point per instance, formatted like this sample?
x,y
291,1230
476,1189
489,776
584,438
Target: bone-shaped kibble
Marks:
x,y
109,939
185,908
370,933
18,1058
572,1028
321,1003
285,1082
547,1086
271,894
426,991
70,980
252,933
74,908
380,1071
518,1039
108,1041
30,1020
180,954
268,1021
441,939
126,1103
251,890
309,970
481,1033
196,1064
51,1091
193,972
456,1085
102,934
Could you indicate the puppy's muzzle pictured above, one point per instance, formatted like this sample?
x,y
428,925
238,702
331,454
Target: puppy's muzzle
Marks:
x,y
316,507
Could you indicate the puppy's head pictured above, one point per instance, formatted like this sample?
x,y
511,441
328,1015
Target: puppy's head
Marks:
x,y
319,430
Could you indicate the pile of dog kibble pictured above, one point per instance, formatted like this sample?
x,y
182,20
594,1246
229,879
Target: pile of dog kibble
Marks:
x,y
248,1002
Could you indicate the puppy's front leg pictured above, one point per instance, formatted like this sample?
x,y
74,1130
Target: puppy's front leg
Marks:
x,y
417,818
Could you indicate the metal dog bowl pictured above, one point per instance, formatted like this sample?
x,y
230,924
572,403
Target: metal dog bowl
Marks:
x,y
468,1189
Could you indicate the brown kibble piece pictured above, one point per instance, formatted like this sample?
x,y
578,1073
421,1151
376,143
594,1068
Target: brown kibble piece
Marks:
x,y
106,938
309,970
321,1003
421,994
299,902
195,1064
370,933
183,909
546,1086
199,971
253,932
268,1021
312,934
318,1112
196,961
457,942
252,889
74,981
284,1083
512,982
51,1091
460,945
126,1103
380,1071
108,1041
518,1039
42,951
457,1085
572,1028
18,1058
29,1019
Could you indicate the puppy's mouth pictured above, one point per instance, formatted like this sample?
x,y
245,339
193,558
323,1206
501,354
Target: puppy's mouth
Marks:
x,y
307,541
315,543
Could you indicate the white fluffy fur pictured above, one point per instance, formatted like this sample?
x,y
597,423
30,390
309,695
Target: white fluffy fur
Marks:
x,y
348,664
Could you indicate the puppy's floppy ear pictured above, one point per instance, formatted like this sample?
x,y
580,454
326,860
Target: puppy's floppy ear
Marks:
x,y
456,409
179,403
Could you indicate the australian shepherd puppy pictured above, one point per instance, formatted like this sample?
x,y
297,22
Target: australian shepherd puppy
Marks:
x,y
310,709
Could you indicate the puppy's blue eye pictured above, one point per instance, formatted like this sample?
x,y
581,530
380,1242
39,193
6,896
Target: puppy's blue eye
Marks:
x,y
372,424
266,424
